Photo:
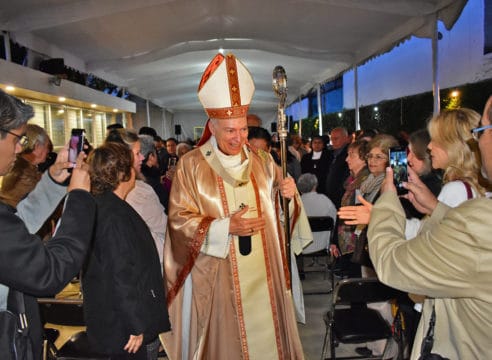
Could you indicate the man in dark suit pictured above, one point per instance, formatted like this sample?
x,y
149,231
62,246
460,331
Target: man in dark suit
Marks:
x,y
317,162
338,170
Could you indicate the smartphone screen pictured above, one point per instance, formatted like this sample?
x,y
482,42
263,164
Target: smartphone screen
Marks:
x,y
398,162
76,144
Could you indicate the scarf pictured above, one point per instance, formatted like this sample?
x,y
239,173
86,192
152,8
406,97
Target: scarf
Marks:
x,y
351,184
370,187
346,233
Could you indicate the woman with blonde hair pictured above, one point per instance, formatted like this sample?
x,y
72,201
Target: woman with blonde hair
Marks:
x,y
454,150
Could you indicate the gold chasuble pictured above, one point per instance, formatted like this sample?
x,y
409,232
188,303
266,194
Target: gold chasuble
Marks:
x,y
225,305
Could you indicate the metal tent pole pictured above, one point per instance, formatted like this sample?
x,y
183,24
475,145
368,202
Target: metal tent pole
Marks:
x,y
435,69
320,115
356,98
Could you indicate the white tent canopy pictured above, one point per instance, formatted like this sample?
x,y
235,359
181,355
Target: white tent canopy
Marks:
x,y
159,48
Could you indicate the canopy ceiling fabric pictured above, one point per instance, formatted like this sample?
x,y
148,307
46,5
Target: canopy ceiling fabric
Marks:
x,y
158,49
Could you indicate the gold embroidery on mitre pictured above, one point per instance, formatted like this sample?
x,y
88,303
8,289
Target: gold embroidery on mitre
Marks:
x,y
234,91
227,112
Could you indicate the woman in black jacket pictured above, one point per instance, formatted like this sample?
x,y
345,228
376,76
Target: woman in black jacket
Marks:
x,y
124,302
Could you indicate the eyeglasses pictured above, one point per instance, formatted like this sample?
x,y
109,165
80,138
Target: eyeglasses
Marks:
x,y
477,132
21,139
377,157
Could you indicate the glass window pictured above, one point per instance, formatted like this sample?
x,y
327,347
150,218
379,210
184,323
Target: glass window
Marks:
x,y
57,115
58,121
88,124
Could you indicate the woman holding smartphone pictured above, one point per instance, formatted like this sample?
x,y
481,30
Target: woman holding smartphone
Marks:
x,y
377,161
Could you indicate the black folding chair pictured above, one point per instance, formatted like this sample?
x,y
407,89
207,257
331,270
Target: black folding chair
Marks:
x,y
67,312
322,228
77,347
350,320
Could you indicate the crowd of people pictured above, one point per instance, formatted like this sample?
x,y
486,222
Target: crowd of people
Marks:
x,y
166,233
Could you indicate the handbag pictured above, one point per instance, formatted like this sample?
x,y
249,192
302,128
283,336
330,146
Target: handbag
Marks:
x,y
15,343
361,254
428,341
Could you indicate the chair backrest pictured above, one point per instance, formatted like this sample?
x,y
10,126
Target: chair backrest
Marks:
x,y
321,223
61,313
362,290
322,227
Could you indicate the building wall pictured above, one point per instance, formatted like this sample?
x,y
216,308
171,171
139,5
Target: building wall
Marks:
x,y
407,69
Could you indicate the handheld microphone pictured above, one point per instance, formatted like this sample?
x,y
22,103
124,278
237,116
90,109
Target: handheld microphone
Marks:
x,y
244,245
244,241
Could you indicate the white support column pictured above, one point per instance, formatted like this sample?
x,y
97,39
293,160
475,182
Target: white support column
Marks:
x,y
163,122
300,128
320,115
148,112
435,69
356,98
6,45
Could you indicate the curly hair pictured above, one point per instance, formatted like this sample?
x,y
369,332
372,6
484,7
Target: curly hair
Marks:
x,y
361,146
109,165
450,129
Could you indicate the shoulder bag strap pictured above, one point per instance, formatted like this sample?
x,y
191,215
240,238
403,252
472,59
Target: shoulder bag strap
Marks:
x,y
469,192
428,341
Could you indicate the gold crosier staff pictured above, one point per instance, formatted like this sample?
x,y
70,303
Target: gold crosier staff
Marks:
x,y
280,88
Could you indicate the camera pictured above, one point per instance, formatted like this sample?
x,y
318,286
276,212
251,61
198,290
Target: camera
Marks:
x,y
76,144
398,162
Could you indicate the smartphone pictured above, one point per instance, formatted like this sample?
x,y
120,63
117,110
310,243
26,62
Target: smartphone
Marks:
x,y
398,162
76,144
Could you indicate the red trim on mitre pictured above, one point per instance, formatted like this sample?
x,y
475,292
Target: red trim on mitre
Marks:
x,y
205,135
214,64
234,91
